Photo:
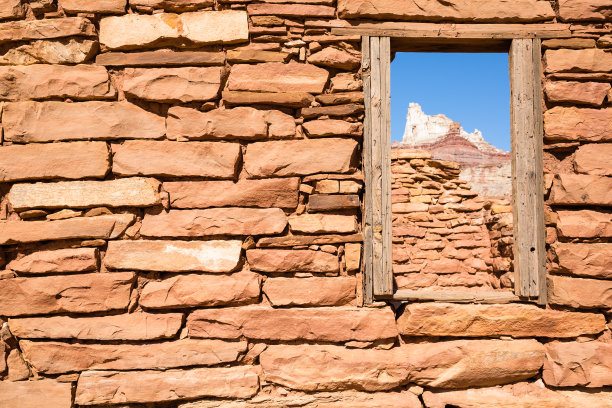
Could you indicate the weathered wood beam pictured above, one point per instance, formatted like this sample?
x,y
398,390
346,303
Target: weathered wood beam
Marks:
x,y
455,296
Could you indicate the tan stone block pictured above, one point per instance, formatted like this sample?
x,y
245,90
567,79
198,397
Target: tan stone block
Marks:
x,y
26,122
352,256
116,387
56,160
332,127
11,9
331,110
35,394
214,221
203,27
201,290
264,193
577,10
589,60
85,293
291,10
332,202
104,226
340,98
568,189
133,326
337,324
579,293
594,158
59,260
587,93
18,369
516,320
249,56
578,364
578,124
300,157
98,6
160,58
584,224
345,81
278,77
176,159
80,357
62,51
335,58
323,223
173,256
310,291
286,260
292,99
185,84
571,43
46,29
588,260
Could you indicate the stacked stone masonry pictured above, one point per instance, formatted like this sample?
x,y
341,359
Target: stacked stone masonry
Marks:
x,y
181,192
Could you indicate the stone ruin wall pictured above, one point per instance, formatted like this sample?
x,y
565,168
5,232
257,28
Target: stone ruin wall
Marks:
x,y
181,185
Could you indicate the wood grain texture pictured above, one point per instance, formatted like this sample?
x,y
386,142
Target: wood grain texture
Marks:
x,y
455,296
367,166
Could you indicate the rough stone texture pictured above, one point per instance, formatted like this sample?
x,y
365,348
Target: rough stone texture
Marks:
x,y
576,10
46,29
237,123
133,192
133,326
516,320
264,193
57,358
171,5
331,202
334,324
18,369
98,6
292,10
214,221
340,98
458,10
60,260
310,291
594,159
335,58
85,293
250,56
584,224
588,260
206,27
299,157
177,159
581,93
61,51
577,189
291,99
104,226
57,160
169,85
26,122
323,223
579,293
332,127
11,9
521,395
278,77
160,58
34,394
116,387
578,124
173,256
286,260
201,290
452,364
578,364
586,60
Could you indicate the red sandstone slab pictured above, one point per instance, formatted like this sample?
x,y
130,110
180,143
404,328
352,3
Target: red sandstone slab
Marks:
x,y
287,260
579,293
586,260
160,58
35,394
57,261
310,291
11,9
46,28
594,158
98,6
332,127
574,364
584,224
581,93
580,10
585,60
578,189
278,77
578,124
291,10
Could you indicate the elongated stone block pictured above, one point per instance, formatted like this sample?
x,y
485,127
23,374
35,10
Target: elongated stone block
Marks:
x,y
35,394
287,260
46,28
59,260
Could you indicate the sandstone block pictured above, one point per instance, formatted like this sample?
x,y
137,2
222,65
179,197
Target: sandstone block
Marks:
x,y
185,84
132,192
588,260
571,43
345,81
26,122
332,127
323,223
340,98
335,58
98,6
584,224
451,364
594,159
589,59
176,159
46,29
331,110
133,326
292,10
116,387
11,9
35,394
278,77
160,58
286,260
352,256
202,28
499,11
237,123
104,226
293,99
568,189
577,10
585,93
80,357
310,291
516,320
215,221
282,192
300,157
333,324
578,124
578,364
201,290
173,256
54,160
297,240
61,51
85,293
328,202
579,293
249,56
59,260
171,5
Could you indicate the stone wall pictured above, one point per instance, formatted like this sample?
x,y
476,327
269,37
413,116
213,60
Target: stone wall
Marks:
x,y
180,215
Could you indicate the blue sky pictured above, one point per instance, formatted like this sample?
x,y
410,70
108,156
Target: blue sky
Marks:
x,y
473,89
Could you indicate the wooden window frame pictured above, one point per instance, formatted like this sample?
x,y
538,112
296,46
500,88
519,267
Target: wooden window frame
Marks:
x,y
523,44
